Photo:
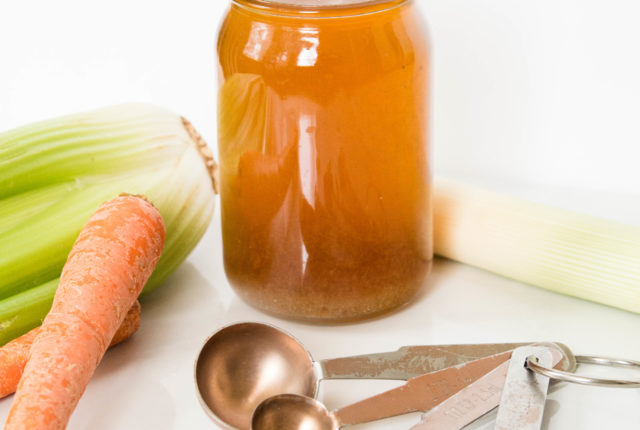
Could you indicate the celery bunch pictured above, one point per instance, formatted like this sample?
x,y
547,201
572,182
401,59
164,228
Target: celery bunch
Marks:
x,y
54,175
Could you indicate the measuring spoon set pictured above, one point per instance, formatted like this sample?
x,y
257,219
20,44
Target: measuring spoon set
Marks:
x,y
253,376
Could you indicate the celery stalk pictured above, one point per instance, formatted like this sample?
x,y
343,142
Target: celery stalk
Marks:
x,y
24,311
55,174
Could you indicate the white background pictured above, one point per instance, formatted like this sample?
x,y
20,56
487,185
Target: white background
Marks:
x,y
544,94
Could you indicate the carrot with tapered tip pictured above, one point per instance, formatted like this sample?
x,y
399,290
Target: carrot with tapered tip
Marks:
x,y
109,264
14,355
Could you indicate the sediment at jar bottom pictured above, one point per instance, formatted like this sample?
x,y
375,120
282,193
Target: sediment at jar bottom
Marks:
x,y
320,292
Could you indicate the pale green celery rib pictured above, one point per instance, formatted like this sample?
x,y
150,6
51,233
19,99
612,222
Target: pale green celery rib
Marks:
x,y
92,156
107,141
14,210
25,311
128,116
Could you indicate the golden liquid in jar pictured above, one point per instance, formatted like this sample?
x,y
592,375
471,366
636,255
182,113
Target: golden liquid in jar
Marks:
x,y
325,181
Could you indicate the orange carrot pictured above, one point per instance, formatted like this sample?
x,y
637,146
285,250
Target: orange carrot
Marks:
x,y
109,264
14,355
129,326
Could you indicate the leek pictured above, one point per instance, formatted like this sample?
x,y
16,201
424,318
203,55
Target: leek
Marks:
x,y
556,249
54,175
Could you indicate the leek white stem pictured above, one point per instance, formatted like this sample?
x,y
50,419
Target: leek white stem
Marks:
x,y
563,251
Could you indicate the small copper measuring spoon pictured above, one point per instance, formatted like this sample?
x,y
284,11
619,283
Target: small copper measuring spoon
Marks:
x,y
242,364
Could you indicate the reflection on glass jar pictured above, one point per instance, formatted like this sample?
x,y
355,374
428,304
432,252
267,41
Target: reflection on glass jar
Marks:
x,y
325,180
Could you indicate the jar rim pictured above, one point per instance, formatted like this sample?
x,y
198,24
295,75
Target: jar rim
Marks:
x,y
322,8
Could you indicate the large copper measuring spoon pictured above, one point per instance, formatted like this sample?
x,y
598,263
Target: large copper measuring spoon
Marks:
x,y
243,364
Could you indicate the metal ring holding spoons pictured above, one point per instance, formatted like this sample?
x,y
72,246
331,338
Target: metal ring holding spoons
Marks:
x,y
531,364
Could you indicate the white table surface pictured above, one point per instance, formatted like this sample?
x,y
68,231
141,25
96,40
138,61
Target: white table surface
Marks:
x,y
147,382
539,92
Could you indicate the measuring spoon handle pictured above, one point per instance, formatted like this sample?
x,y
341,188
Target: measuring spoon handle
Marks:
x,y
409,361
475,400
421,393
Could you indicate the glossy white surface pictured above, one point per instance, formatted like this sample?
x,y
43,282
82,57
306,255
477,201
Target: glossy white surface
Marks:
x,y
530,92
147,382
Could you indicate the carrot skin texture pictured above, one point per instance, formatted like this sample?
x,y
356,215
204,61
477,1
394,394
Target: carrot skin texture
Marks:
x,y
14,355
107,267
129,326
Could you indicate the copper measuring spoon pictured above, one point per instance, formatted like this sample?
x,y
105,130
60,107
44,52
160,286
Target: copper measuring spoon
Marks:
x,y
422,393
243,364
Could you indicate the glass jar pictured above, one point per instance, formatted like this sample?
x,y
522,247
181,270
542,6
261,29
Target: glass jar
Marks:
x,y
323,149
